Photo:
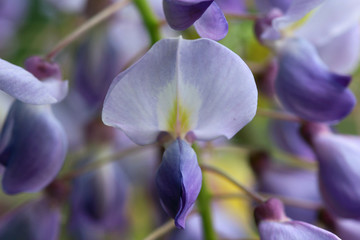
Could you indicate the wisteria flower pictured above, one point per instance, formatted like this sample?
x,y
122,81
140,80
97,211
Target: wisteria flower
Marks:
x,y
179,89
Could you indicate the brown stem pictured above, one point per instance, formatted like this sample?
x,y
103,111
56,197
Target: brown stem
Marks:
x,y
258,198
98,18
102,161
278,115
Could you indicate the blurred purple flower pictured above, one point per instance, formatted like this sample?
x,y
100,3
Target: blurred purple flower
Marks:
x,y
40,83
178,181
168,91
339,171
12,14
333,28
37,220
206,15
288,182
94,71
287,137
274,224
288,12
307,88
98,201
32,148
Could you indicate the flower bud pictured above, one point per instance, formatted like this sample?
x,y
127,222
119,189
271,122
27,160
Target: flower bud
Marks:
x,y
178,181
42,69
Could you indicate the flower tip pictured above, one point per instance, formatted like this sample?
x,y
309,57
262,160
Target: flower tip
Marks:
x,y
180,222
272,209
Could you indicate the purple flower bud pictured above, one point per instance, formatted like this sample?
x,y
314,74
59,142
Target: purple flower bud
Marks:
x,y
38,220
178,181
41,84
339,172
209,20
42,69
306,87
273,224
98,199
32,148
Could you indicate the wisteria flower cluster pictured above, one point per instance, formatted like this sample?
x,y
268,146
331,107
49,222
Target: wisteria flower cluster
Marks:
x,y
136,125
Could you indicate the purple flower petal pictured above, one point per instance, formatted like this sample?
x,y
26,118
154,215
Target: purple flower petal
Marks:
x,y
178,181
32,148
38,220
169,91
274,225
24,86
339,172
293,230
181,14
306,88
212,24
231,6
331,19
297,10
342,53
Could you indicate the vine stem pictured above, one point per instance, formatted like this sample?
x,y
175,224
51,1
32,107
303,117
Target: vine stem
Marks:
x,y
160,231
278,115
102,161
98,18
150,20
257,197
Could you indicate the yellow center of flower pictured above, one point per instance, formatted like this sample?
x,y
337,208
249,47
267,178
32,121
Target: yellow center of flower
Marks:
x,y
179,119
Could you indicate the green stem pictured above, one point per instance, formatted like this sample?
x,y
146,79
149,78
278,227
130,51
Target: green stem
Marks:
x,y
204,206
150,20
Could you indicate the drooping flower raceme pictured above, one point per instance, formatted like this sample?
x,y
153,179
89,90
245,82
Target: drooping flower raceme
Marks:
x,y
193,90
